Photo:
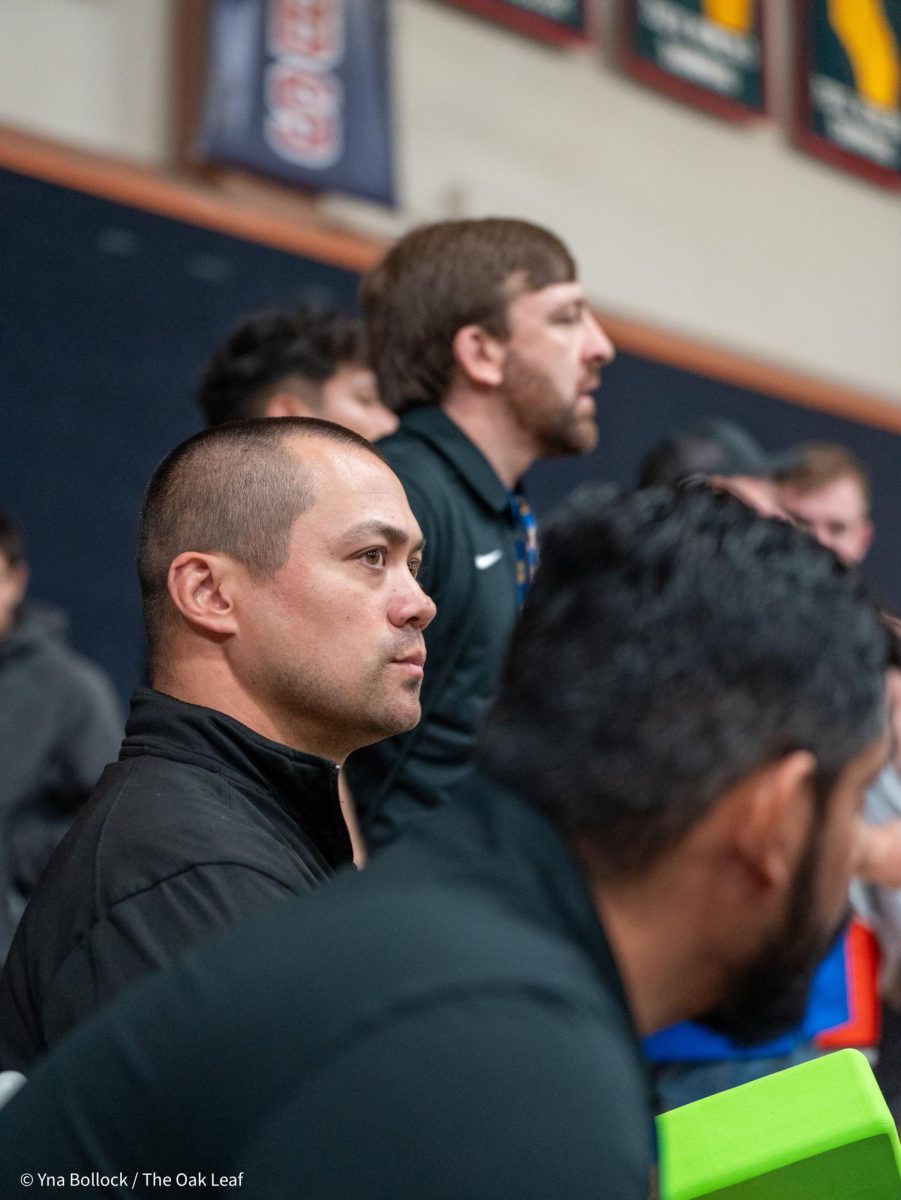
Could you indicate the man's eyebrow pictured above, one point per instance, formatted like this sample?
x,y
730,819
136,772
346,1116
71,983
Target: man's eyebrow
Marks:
x,y
578,302
392,534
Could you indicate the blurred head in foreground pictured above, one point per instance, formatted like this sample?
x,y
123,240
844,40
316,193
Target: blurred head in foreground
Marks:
x,y
695,696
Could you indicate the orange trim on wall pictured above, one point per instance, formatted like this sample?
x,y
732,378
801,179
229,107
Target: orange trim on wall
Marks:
x,y
194,203
245,216
804,390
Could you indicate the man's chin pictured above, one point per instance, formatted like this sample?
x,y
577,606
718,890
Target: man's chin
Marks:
x,y
752,1019
400,719
579,437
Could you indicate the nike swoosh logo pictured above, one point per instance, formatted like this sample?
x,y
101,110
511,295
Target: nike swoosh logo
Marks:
x,y
484,561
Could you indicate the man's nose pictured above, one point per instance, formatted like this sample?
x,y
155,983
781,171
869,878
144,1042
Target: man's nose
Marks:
x,y
598,346
412,606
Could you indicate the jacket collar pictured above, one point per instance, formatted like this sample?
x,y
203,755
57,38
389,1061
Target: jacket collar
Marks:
x,y
303,785
446,438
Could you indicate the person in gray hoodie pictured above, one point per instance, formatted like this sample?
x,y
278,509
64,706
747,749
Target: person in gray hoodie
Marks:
x,y
60,723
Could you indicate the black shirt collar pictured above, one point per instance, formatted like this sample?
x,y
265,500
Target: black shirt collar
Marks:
x,y
305,786
445,436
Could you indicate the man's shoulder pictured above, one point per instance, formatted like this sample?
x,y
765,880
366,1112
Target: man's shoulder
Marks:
x,y
415,451
150,819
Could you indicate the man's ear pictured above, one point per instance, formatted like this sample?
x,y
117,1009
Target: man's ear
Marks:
x,y
287,404
773,813
202,588
480,355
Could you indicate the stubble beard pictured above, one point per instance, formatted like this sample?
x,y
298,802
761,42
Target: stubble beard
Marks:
x,y
554,423
768,997
358,714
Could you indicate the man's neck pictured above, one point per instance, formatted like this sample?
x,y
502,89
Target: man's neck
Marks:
x,y
666,942
215,688
489,424
665,976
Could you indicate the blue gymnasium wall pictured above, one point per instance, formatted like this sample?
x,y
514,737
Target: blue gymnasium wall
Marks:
x,y
108,314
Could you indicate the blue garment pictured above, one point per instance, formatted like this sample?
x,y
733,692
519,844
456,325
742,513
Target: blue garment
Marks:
x,y
828,1006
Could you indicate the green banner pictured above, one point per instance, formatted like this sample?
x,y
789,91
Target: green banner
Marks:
x,y
707,52
851,76
559,21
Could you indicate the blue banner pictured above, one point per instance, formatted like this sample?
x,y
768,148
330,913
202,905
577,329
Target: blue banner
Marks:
x,y
299,89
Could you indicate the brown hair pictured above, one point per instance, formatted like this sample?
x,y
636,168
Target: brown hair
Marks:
x,y
234,489
440,278
817,464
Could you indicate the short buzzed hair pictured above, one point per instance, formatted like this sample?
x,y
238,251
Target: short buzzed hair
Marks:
x,y
440,278
818,464
234,489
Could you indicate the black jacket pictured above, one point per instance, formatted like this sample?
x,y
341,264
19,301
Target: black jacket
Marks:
x,y
200,823
448,1023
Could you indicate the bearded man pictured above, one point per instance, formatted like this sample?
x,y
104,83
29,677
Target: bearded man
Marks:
x,y
481,339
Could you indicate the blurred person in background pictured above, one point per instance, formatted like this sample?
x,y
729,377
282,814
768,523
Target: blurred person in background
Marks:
x,y
660,825
481,337
60,724
827,492
278,563
299,362
723,452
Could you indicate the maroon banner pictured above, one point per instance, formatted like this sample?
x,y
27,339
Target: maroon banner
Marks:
x,y
560,22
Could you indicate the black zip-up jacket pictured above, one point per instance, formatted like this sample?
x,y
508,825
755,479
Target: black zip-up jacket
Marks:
x,y
200,822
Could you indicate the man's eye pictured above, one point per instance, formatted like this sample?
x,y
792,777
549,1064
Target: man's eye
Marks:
x,y
375,557
415,565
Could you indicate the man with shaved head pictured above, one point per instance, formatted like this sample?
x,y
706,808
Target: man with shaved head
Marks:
x,y
278,563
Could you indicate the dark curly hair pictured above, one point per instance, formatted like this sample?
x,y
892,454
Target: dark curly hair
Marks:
x,y
301,346
672,643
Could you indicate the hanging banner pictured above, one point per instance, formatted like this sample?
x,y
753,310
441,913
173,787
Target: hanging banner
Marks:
x,y
298,89
561,22
849,85
705,52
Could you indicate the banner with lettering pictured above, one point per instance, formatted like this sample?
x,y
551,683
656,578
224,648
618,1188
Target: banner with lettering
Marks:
x,y
298,89
849,84
705,52
562,22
